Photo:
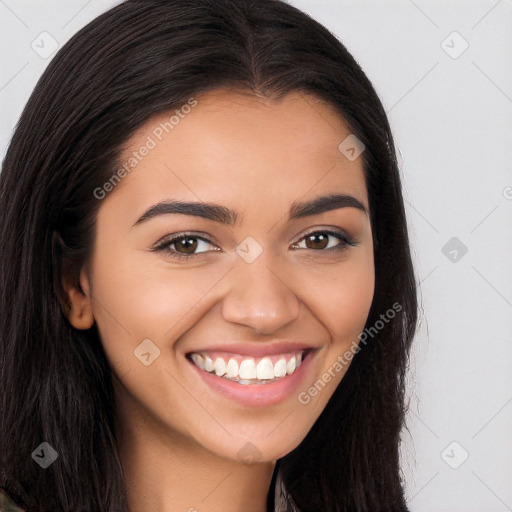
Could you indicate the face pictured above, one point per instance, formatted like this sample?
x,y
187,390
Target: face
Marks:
x,y
225,320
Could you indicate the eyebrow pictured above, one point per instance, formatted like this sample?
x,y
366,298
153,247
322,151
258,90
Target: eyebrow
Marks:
x,y
223,215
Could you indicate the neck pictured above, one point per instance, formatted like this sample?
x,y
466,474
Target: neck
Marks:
x,y
165,471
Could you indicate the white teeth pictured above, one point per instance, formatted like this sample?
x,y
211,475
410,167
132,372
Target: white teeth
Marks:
x,y
208,364
280,368
220,367
247,369
198,360
290,366
232,369
265,369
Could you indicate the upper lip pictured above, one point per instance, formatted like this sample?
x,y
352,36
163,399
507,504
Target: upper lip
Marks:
x,y
259,349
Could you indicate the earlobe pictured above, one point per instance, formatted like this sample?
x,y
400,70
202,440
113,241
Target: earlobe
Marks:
x,y
80,315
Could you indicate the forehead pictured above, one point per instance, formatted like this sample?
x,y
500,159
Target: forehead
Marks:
x,y
230,145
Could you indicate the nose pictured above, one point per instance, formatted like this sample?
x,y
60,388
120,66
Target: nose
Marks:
x,y
260,297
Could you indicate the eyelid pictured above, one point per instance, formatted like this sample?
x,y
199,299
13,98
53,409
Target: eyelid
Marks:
x,y
336,232
168,240
203,235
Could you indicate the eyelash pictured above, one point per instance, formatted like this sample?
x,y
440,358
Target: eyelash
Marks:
x,y
165,246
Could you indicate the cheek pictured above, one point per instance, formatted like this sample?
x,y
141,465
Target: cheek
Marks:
x,y
133,301
151,304
342,302
353,303
136,302
341,296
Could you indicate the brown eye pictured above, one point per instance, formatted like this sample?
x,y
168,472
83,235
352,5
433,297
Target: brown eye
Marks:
x,y
186,244
325,241
317,241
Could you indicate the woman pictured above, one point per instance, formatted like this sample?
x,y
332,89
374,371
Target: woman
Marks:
x,y
208,298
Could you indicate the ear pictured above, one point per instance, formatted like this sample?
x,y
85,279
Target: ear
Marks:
x,y
80,313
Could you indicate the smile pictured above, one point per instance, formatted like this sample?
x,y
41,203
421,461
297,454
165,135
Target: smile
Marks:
x,y
246,370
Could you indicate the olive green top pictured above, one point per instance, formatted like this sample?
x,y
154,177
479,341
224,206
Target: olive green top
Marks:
x,y
6,504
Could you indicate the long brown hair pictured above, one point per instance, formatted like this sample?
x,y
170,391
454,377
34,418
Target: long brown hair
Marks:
x,y
138,59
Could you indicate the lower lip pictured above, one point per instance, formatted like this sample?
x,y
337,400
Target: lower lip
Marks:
x,y
258,395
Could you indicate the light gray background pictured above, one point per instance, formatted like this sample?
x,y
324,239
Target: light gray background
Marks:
x,y
451,114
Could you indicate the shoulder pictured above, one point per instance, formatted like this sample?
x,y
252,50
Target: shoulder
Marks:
x,y
6,504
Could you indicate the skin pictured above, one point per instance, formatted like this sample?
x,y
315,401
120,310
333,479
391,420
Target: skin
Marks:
x,y
178,438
